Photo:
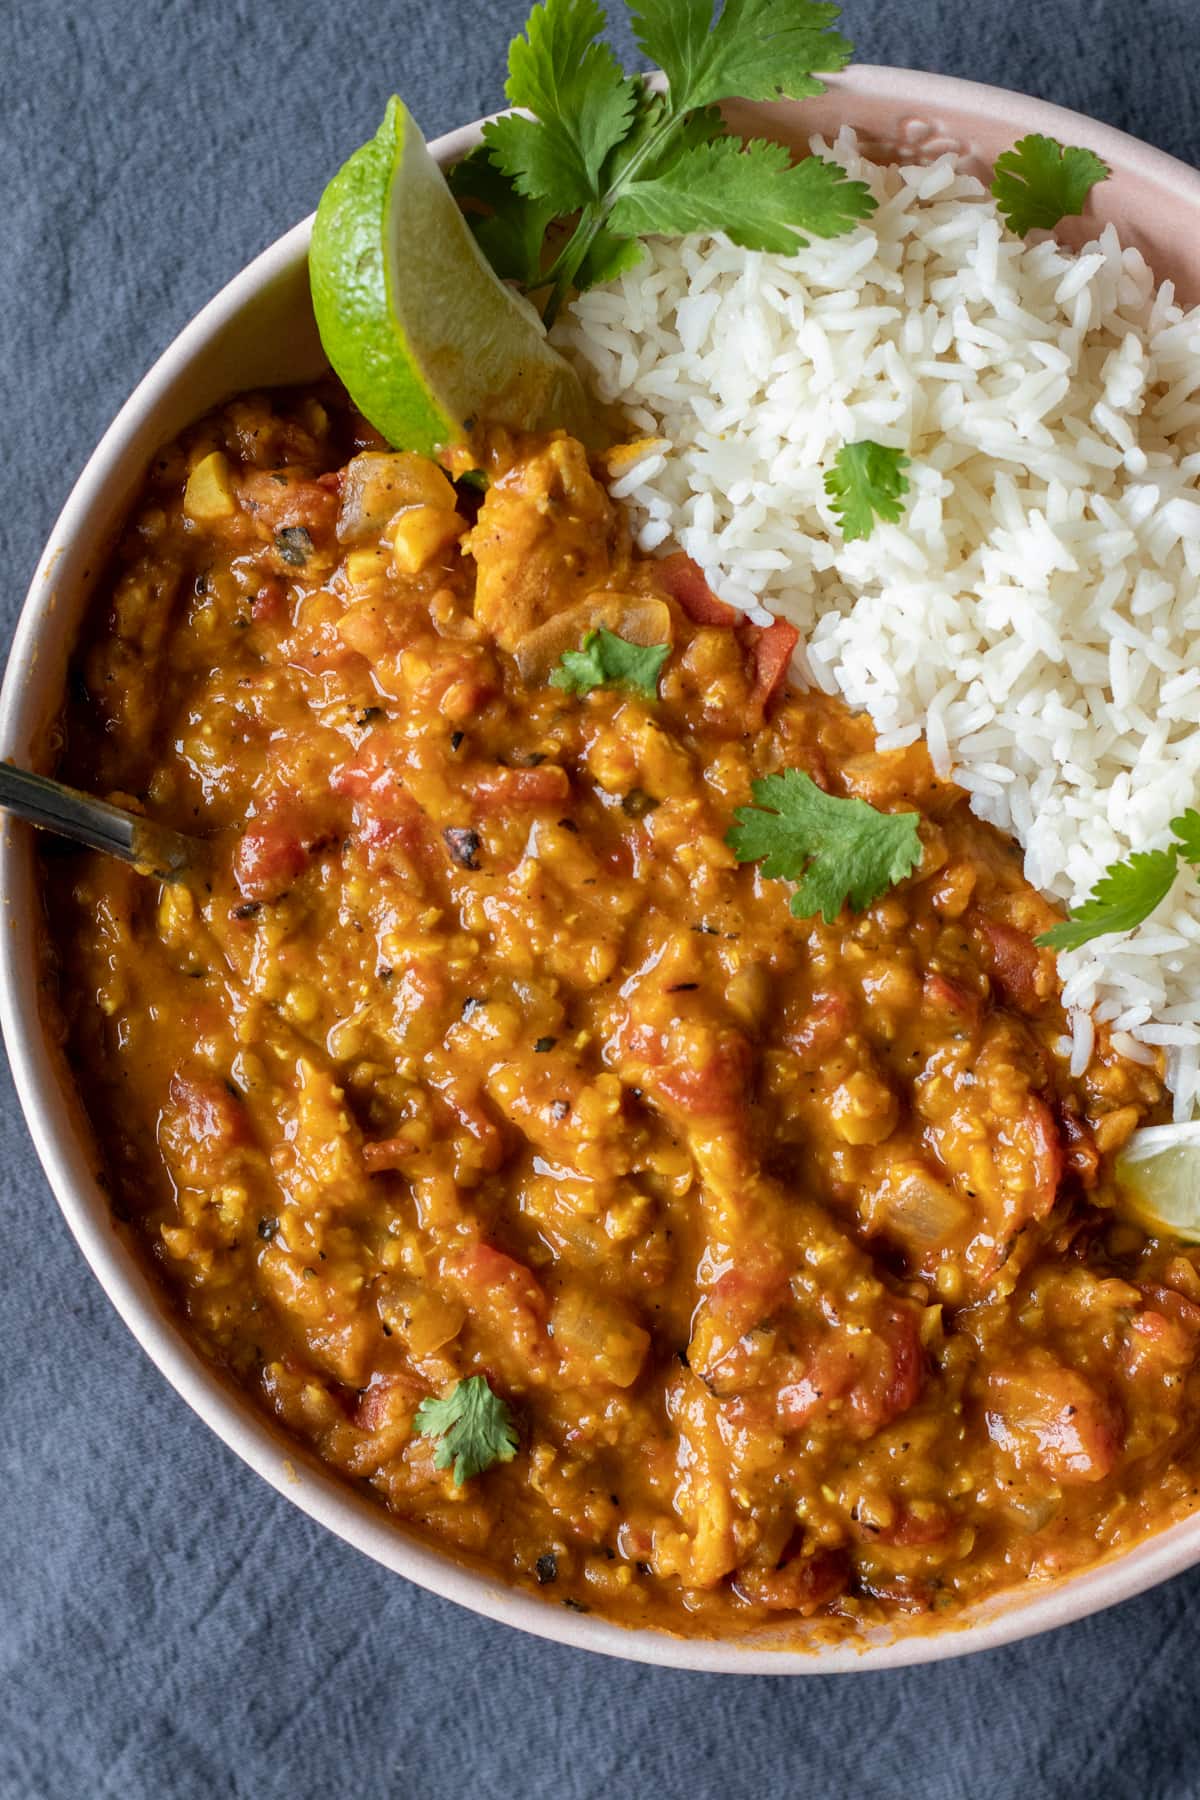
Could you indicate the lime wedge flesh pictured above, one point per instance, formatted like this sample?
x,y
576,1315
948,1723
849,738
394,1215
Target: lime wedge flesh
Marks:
x,y
1159,1175
424,336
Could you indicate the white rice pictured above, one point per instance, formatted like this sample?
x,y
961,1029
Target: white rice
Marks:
x,y
1036,612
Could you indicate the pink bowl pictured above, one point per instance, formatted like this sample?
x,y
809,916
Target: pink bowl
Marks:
x,y
257,332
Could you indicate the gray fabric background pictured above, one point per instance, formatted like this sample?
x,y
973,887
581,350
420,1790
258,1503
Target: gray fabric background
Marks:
x,y
169,1628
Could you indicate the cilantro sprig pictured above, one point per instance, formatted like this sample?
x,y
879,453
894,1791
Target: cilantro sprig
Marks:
x,y
1040,181
592,144
1128,892
866,483
474,1428
606,660
838,851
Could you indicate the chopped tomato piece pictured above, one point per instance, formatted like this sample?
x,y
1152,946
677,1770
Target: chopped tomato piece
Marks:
x,y
824,1025
279,500
210,1113
485,1267
1014,964
827,1376
1047,1168
503,1292
802,1585
390,1400
708,1071
747,1295
385,812
269,604
901,1372
912,1526
941,995
466,1105
374,760
876,1378
501,790
1173,1305
683,580
1155,1345
201,1125
388,1153
771,658
1052,1418
271,854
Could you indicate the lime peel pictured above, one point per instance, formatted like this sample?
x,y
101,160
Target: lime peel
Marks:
x,y
425,338
1159,1175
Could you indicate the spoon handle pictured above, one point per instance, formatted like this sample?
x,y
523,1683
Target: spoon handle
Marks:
x,y
153,849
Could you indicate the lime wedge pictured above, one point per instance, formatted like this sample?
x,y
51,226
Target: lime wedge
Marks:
x,y
1159,1176
414,322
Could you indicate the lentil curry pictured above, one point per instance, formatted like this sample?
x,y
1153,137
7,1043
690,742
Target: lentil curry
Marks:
x,y
789,1246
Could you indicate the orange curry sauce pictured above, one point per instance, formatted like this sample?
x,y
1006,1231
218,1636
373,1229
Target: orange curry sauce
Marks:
x,y
790,1245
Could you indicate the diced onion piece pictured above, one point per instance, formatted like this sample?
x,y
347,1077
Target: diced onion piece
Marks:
x,y
630,616
419,1316
597,1339
918,1209
378,483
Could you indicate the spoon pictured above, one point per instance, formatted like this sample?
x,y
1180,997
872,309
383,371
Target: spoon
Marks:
x,y
152,849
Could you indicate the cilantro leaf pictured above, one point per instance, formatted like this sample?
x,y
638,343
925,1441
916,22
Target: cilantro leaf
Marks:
x,y
511,231
866,483
657,137
1187,835
1125,894
609,255
607,660
473,1425
757,196
1039,181
838,850
582,99
756,49
625,161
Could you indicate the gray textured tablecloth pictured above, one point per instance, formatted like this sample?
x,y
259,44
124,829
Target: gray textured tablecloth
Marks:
x,y
169,1628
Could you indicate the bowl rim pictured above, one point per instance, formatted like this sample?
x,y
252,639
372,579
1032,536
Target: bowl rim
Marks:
x,y
230,1414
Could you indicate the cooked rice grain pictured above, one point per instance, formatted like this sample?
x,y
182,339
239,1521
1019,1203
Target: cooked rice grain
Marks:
x,y
1036,613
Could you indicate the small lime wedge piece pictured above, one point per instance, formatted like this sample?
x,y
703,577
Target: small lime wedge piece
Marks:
x,y
425,338
1159,1175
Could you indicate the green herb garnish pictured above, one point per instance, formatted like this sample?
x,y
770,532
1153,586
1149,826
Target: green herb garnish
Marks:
x,y
865,483
1040,181
837,850
474,1426
1187,835
606,660
619,161
1128,892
